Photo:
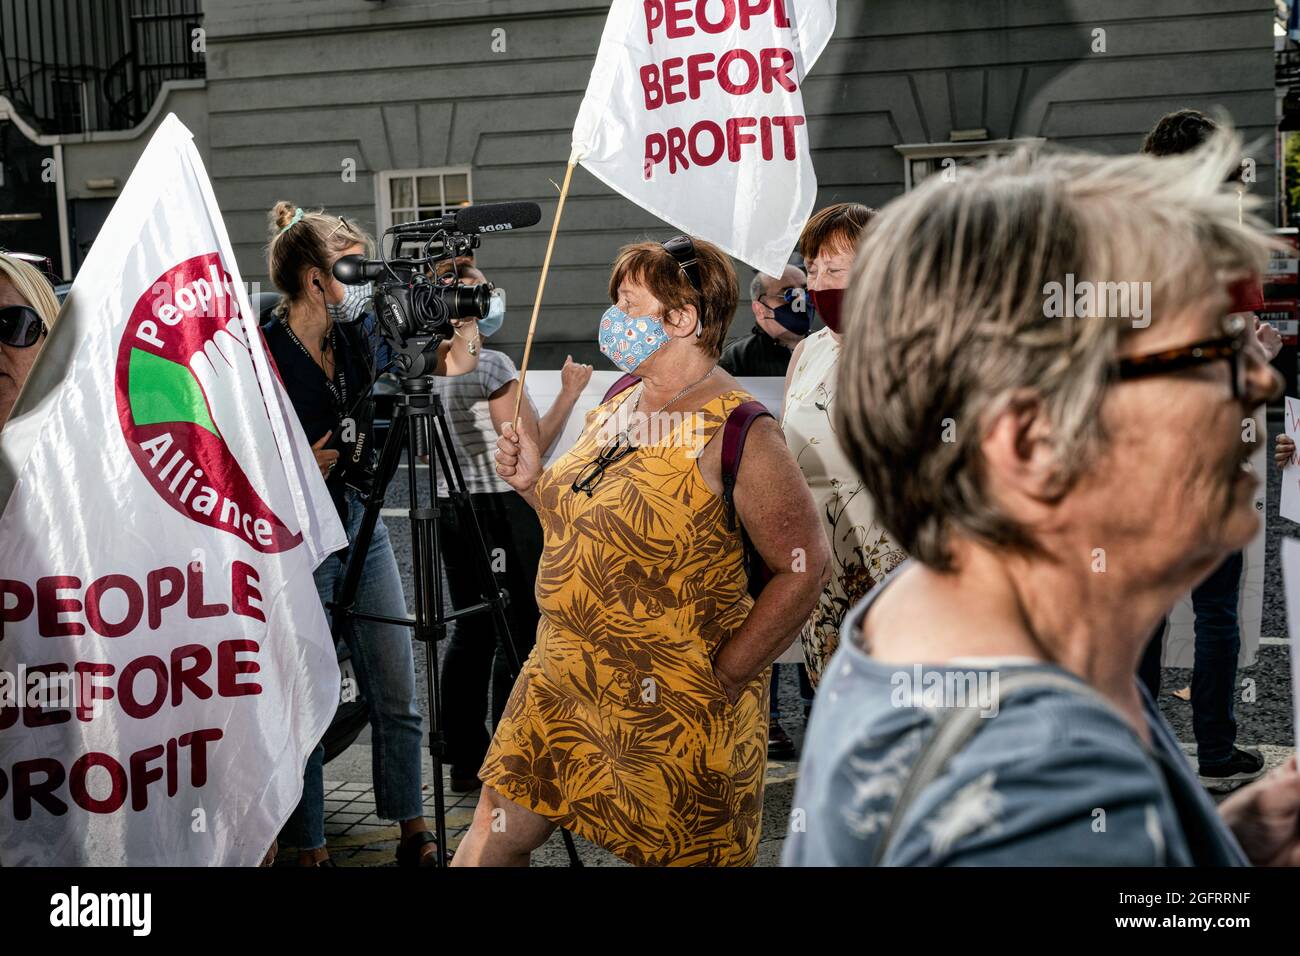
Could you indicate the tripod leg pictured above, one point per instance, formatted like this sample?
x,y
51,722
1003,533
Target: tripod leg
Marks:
x,y
468,516
569,847
430,621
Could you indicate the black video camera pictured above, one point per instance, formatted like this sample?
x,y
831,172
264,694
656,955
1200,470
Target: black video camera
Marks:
x,y
414,310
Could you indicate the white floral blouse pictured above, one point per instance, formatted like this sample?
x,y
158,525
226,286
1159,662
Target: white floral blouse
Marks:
x,y
862,552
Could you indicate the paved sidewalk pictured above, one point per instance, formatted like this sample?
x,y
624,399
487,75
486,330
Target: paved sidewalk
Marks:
x,y
357,837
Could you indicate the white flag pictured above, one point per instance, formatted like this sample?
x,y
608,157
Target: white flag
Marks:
x,y
165,663
695,112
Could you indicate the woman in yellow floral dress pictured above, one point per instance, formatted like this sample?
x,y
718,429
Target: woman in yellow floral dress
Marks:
x,y
863,552
639,721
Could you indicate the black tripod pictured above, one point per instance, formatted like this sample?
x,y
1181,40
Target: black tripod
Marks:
x,y
419,424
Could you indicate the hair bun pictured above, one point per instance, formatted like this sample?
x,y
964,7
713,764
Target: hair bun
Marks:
x,y
282,214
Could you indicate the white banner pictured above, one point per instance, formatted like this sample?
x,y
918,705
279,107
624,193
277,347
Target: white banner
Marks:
x,y
1290,557
1289,506
695,111
165,663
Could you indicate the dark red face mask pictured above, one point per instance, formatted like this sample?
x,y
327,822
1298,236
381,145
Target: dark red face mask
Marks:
x,y
1247,295
827,304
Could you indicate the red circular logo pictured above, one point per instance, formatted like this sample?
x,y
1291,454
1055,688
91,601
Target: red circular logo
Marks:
x,y
184,374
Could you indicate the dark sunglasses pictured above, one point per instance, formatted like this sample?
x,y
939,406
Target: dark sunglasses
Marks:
x,y
1229,347
20,326
682,248
591,475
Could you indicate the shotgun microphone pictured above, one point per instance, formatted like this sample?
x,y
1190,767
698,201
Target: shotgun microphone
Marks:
x,y
476,220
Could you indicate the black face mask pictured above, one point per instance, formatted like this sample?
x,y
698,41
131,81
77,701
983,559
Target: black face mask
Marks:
x,y
20,326
797,313
798,321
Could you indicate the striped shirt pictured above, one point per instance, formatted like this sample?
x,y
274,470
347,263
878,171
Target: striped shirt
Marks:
x,y
473,438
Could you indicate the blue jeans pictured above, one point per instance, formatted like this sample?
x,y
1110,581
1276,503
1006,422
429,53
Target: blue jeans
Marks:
x,y
1214,673
1214,676
385,668
474,659
805,690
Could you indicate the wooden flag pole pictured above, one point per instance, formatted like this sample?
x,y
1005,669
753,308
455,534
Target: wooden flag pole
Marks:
x,y
541,285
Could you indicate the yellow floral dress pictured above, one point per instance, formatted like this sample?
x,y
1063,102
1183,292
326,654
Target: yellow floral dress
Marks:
x,y
862,552
617,728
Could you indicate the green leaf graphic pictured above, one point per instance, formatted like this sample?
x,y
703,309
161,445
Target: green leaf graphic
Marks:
x,y
165,391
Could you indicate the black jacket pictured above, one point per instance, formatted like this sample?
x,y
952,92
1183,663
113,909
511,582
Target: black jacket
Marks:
x,y
757,354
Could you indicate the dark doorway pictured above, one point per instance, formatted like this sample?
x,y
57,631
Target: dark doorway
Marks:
x,y
87,219
29,207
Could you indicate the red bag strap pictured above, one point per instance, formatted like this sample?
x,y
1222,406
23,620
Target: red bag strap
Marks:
x,y
622,385
733,447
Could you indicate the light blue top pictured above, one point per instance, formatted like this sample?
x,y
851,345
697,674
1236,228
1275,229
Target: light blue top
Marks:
x,y
1055,778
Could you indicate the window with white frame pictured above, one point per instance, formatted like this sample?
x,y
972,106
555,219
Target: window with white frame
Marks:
x,y
408,195
921,160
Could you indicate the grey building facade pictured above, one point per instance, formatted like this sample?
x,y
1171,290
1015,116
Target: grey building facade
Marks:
x,y
384,110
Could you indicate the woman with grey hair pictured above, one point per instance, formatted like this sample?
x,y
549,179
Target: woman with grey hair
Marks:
x,y
1061,474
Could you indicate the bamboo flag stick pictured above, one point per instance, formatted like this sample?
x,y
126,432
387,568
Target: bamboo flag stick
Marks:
x,y
541,285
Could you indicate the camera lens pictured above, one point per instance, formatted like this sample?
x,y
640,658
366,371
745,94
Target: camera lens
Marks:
x,y
468,301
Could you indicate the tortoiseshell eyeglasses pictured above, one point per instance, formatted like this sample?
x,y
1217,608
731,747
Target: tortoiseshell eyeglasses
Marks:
x,y
1231,347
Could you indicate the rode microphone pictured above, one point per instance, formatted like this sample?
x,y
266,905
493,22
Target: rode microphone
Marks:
x,y
473,220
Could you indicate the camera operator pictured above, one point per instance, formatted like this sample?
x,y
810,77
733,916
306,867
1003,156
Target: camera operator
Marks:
x,y
477,406
326,366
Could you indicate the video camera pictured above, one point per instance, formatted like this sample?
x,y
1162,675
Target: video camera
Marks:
x,y
414,310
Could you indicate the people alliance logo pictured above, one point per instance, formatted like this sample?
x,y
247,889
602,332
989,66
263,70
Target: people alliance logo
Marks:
x,y
183,369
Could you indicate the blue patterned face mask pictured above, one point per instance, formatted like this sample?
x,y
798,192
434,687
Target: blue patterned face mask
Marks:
x,y
627,342
490,324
